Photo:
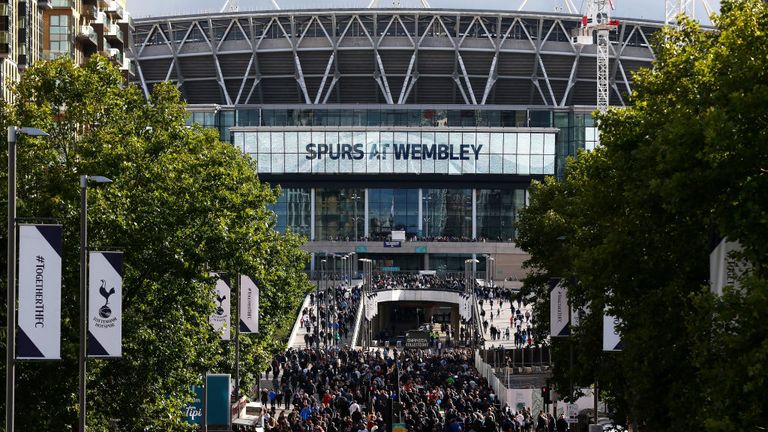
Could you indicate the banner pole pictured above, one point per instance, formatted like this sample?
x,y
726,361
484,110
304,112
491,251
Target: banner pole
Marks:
x,y
83,299
237,343
10,331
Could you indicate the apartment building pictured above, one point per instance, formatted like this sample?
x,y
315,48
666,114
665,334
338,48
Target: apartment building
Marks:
x,y
32,30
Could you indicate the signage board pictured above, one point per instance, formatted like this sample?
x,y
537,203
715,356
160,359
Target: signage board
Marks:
x,y
361,249
405,151
393,244
571,413
390,269
417,340
217,406
193,413
421,249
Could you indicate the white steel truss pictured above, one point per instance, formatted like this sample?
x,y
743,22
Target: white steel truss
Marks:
x,y
387,56
673,8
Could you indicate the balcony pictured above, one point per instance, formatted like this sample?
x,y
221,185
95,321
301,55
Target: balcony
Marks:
x,y
44,4
113,34
128,68
115,55
61,4
87,35
100,21
115,9
127,23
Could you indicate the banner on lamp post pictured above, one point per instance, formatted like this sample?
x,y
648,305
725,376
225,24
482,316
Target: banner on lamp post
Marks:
x,y
105,304
578,314
611,335
220,318
249,305
39,315
558,311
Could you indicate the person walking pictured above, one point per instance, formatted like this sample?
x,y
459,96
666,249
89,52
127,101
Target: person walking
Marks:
x,y
562,424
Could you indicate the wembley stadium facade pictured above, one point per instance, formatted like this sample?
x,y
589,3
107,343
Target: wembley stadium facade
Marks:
x,y
425,121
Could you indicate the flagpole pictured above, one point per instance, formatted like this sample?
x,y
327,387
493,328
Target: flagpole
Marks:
x,y
237,343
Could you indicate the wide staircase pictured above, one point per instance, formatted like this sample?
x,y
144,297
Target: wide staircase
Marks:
x,y
296,339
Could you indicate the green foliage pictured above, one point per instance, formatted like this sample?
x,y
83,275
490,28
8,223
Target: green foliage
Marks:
x,y
182,204
631,225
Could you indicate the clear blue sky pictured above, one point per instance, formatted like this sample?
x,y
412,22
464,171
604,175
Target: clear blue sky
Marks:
x,y
649,9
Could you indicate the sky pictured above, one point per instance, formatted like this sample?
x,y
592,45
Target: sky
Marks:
x,y
648,9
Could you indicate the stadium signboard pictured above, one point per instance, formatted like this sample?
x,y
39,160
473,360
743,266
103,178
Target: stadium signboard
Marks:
x,y
417,340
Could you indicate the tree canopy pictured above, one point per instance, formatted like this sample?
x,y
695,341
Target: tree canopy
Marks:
x,y
182,204
631,225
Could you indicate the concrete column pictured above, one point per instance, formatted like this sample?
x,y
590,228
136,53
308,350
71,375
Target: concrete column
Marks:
x,y
474,213
312,263
312,214
426,261
365,214
421,203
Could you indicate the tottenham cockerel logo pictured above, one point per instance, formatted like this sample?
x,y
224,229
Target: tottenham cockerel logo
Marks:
x,y
105,311
219,309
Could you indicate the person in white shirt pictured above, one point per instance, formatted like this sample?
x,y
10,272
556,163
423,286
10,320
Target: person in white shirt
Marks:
x,y
354,407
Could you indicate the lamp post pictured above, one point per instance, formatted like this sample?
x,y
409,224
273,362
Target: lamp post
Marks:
x,y
366,289
355,197
427,199
10,351
84,179
317,299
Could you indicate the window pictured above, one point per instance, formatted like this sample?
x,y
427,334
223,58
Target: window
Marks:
x,y
60,44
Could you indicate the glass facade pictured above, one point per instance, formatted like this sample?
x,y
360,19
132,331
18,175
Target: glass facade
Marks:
x,y
294,211
447,213
497,210
577,129
413,151
339,214
393,209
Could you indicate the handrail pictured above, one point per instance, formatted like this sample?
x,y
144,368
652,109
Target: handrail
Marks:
x,y
358,322
296,324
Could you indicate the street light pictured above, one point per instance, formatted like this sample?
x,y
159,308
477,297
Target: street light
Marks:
x,y
355,197
84,179
10,351
427,199
317,300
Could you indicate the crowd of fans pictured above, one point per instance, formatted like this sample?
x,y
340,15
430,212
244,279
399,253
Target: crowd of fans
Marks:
x,y
344,390
386,236
388,281
336,308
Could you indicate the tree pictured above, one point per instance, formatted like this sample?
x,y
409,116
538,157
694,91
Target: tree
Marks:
x,y
631,225
182,204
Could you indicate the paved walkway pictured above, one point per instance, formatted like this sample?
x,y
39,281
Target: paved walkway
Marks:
x,y
501,320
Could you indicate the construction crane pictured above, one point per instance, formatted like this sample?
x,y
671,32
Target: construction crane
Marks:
x,y
673,8
597,21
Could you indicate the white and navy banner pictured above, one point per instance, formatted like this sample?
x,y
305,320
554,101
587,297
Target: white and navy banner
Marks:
x,y
578,314
220,318
464,306
559,322
611,335
105,304
39,331
249,305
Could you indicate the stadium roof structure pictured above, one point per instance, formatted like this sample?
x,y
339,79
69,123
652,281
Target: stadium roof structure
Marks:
x,y
385,56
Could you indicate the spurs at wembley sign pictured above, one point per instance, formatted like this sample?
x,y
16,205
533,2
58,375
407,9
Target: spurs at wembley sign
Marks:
x,y
398,151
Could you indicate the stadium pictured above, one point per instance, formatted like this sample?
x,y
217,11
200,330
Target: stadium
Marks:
x,y
408,136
